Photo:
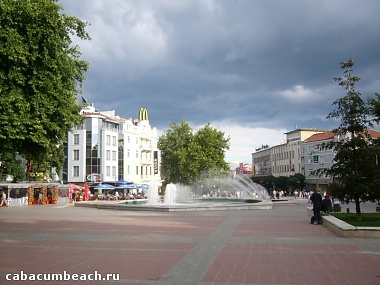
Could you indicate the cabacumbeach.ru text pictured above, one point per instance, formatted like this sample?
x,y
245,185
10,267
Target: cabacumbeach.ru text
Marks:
x,y
64,276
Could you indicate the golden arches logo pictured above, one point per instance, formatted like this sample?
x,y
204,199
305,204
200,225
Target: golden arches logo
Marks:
x,y
143,115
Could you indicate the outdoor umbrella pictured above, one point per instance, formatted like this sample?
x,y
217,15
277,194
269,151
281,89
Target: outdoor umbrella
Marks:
x,y
124,181
72,187
122,186
86,192
104,187
143,186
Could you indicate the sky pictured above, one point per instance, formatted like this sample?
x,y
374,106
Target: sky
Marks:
x,y
252,69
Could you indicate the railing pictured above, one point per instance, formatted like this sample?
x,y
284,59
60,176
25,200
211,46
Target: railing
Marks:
x,y
18,201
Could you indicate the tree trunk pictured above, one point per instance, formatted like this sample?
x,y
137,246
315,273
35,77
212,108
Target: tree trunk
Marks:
x,y
358,211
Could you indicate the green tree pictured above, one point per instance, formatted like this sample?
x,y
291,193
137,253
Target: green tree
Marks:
x,y
206,152
354,164
172,143
12,165
185,156
41,75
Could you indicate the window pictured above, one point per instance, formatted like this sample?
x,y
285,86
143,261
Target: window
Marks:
x,y
108,155
113,140
108,138
315,159
113,155
113,170
108,171
76,139
75,171
137,154
76,154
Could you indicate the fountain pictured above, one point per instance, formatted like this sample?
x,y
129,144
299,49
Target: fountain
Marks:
x,y
152,194
221,192
170,194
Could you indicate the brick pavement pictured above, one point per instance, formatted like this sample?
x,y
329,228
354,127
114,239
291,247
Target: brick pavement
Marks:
x,y
277,246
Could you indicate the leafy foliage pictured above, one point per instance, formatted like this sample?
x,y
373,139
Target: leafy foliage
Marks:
x,y
186,155
355,171
296,181
11,164
40,76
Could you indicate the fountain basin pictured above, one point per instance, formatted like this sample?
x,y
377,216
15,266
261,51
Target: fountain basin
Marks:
x,y
193,205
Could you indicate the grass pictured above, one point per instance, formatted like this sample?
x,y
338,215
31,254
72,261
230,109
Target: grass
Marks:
x,y
368,219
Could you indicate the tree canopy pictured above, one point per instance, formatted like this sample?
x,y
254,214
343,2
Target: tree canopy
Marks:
x,y
41,74
186,155
355,171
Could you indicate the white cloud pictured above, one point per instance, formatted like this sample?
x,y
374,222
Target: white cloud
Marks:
x,y
299,93
244,139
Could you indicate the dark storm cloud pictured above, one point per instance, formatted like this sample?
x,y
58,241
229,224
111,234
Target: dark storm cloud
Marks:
x,y
259,65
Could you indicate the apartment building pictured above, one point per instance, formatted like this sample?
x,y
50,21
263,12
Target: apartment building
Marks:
x,y
314,157
107,148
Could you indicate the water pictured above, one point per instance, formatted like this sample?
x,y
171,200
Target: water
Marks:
x,y
170,194
225,186
152,194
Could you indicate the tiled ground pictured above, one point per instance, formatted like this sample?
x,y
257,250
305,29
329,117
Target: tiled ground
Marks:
x,y
277,246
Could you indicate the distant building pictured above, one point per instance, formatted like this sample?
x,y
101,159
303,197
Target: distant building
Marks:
x,y
283,159
107,148
302,152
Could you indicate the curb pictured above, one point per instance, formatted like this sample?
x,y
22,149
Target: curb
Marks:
x,y
344,229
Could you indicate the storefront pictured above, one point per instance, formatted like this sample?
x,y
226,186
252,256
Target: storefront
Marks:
x,y
20,194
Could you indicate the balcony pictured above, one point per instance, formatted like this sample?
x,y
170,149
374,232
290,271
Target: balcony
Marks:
x,y
146,147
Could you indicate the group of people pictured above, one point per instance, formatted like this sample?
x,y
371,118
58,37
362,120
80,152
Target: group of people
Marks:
x,y
121,196
319,205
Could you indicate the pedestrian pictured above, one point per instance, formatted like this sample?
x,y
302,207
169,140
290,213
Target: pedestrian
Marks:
x,y
73,197
316,199
40,198
326,204
3,199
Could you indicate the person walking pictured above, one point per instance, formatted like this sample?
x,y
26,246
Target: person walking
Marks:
x,y
40,198
316,199
3,199
73,196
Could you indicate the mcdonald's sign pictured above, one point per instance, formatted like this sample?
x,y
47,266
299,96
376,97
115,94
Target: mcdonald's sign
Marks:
x,y
143,115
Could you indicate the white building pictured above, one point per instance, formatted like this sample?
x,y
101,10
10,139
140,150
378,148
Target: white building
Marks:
x,y
107,148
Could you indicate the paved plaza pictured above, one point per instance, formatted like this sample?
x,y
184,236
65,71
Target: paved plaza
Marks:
x,y
277,246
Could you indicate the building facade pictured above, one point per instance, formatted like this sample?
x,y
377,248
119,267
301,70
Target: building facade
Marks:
x,y
302,152
283,159
107,148
314,157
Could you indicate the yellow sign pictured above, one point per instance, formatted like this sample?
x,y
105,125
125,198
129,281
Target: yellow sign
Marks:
x,y
143,115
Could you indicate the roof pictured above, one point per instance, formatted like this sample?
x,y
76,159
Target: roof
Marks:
x,y
330,135
320,137
304,130
374,133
